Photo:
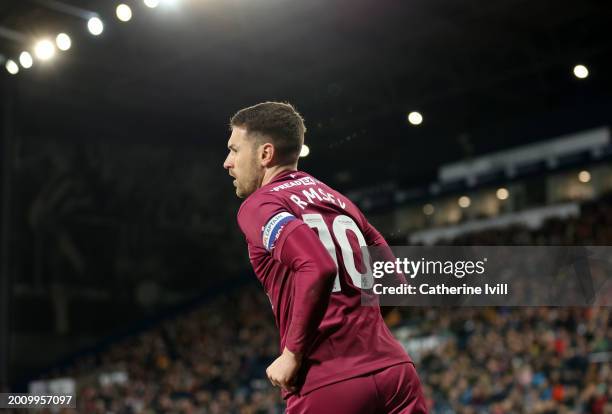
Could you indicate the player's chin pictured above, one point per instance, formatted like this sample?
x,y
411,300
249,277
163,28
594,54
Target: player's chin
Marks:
x,y
243,192
240,193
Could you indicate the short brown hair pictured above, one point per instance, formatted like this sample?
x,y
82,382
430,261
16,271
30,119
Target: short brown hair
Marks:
x,y
277,121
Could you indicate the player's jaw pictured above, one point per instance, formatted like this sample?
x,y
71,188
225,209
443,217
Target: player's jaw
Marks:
x,y
247,179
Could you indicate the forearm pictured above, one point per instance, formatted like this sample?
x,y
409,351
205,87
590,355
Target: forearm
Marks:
x,y
313,288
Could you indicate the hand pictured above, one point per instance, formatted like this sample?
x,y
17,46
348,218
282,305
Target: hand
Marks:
x,y
283,370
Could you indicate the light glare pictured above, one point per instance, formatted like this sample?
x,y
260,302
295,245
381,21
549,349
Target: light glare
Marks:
x,y
415,118
12,67
502,193
304,151
581,71
95,26
63,41
584,176
26,60
124,13
464,201
44,49
151,3
428,209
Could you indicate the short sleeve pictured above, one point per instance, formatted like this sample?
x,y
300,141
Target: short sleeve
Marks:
x,y
263,218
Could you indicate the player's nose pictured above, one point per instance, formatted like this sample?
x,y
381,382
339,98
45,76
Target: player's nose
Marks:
x,y
227,164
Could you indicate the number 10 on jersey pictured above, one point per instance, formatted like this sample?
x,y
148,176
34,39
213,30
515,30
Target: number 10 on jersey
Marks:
x,y
341,225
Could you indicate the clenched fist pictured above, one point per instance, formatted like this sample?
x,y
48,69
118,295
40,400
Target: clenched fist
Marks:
x,y
283,370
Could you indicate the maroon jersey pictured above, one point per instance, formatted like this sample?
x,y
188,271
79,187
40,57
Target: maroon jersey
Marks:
x,y
351,339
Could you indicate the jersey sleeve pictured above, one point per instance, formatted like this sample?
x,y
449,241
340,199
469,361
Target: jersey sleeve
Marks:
x,y
265,222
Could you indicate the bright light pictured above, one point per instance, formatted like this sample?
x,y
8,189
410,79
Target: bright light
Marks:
x,y
464,201
151,3
304,151
26,60
124,13
584,176
44,49
502,193
581,71
415,118
63,41
12,67
428,209
95,26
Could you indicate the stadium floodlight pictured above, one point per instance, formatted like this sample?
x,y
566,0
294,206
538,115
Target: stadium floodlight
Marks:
x,y
95,26
25,58
428,209
581,71
151,3
304,151
63,41
464,201
44,49
502,193
12,67
415,118
584,176
124,13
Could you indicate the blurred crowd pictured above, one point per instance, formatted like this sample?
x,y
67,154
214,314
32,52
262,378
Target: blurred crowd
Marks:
x,y
529,360
210,361
492,360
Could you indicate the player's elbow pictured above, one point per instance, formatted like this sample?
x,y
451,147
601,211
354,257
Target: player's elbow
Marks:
x,y
328,269
322,280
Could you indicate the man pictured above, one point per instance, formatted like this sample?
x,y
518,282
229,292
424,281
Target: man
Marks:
x,y
304,242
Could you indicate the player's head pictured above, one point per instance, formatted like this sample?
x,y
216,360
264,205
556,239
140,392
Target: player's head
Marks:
x,y
267,135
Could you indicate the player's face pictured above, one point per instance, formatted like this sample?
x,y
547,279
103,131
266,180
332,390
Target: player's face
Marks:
x,y
241,163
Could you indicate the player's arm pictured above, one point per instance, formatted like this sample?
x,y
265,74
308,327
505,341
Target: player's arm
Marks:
x,y
314,272
267,223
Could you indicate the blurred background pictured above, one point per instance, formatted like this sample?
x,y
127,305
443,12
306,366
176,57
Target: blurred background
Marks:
x,y
123,275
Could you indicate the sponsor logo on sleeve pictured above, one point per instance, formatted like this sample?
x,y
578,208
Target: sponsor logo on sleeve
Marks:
x,y
272,230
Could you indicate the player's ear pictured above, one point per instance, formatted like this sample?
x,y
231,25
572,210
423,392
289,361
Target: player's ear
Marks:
x,y
266,154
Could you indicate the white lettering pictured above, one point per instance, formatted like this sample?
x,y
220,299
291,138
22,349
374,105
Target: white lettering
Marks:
x,y
311,195
327,196
297,200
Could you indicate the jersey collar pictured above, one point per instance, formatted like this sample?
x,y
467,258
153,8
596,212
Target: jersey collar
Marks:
x,y
284,175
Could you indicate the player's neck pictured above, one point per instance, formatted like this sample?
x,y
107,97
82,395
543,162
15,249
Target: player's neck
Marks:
x,y
272,172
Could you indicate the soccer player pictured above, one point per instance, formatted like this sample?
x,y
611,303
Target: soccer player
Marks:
x,y
304,241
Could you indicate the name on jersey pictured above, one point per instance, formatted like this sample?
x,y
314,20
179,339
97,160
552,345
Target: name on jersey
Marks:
x,y
311,196
294,183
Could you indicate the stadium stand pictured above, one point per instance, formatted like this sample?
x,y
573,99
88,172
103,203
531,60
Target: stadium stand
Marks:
x,y
476,360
